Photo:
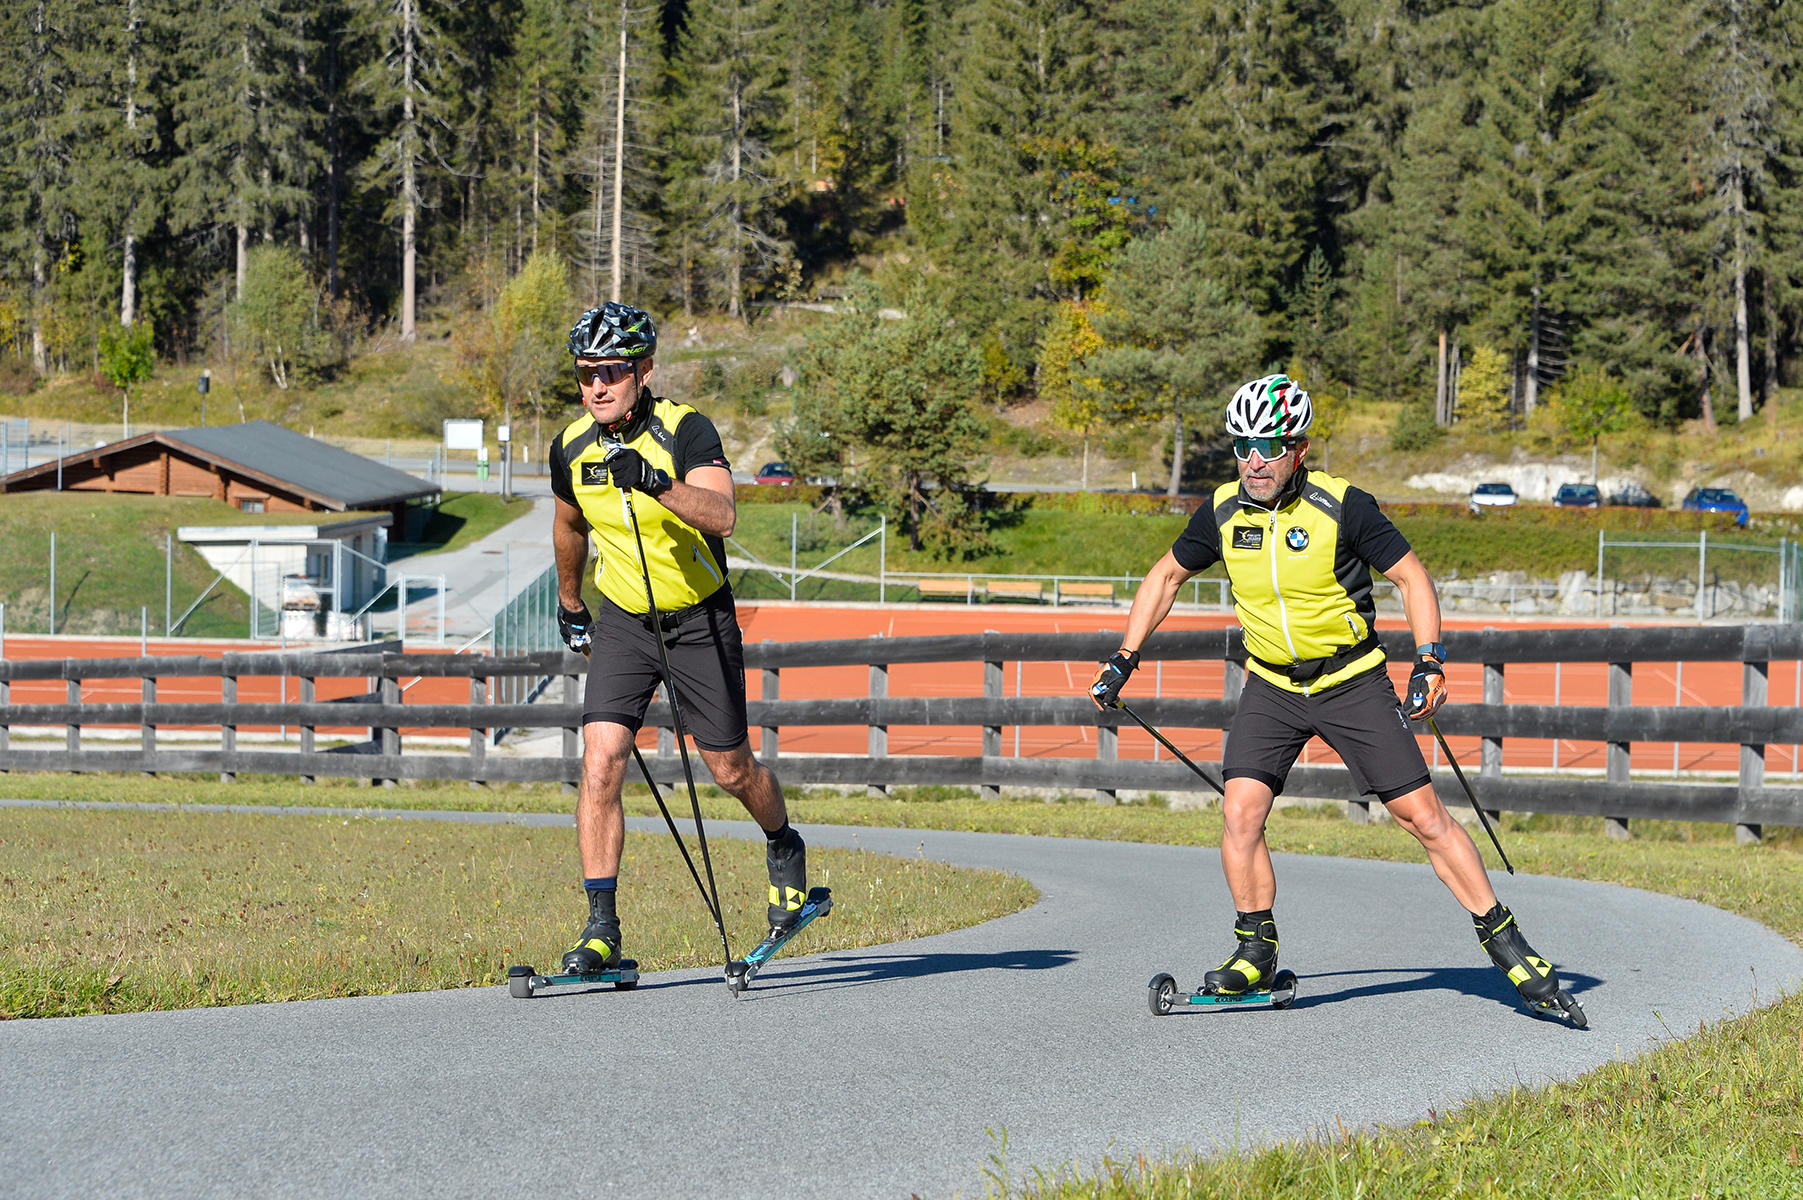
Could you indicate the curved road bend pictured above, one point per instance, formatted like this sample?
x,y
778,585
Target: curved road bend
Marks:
x,y
877,1072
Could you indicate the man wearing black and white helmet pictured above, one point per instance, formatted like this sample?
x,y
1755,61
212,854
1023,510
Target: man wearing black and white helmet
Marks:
x,y
629,438
1299,547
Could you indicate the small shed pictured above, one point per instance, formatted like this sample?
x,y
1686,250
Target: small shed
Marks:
x,y
257,466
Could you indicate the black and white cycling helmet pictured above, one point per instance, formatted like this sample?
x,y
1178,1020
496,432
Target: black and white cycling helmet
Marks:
x,y
1275,406
614,330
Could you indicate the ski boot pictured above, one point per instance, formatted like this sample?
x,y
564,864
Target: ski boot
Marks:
x,y
1253,963
1534,977
787,861
597,947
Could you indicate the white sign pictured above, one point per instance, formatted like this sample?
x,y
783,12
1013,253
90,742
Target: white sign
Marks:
x,y
461,434
503,433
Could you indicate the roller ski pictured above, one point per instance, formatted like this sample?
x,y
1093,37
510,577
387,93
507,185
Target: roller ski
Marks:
x,y
595,958
1534,978
525,982
1249,976
739,972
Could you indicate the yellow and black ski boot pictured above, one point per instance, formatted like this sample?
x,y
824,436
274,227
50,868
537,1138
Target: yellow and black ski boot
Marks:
x,y
1252,965
597,948
787,861
1533,976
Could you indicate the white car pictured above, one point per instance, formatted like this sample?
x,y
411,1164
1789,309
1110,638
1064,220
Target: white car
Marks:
x,y
1492,495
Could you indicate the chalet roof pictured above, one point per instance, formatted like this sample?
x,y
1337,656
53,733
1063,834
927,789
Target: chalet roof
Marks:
x,y
339,477
275,456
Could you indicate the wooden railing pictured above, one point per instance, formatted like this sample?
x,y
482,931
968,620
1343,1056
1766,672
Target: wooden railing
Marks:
x,y
370,717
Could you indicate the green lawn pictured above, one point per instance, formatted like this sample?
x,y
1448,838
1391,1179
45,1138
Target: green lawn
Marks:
x,y
1541,541
460,519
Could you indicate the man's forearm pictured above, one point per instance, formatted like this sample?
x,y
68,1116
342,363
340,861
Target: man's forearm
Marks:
x,y
702,509
570,549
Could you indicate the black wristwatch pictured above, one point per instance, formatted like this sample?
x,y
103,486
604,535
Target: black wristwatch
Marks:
x,y
1433,650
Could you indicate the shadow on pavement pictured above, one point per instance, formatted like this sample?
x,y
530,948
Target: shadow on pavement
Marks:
x,y
854,969
1485,982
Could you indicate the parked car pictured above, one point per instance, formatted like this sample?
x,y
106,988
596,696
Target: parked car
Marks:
x,y
1577,495
1632,495
774,472
1492,495
1722,500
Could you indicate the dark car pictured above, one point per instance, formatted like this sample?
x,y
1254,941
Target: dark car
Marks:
x,y
774,472
1577,495
1720,500
1632,495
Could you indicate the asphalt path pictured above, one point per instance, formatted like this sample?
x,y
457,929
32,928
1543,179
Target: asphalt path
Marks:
x,y
887,1071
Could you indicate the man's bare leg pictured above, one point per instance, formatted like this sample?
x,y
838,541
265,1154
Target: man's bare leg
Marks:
x,y
1449,848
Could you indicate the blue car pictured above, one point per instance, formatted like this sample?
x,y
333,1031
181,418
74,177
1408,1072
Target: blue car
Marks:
x,y
1717,500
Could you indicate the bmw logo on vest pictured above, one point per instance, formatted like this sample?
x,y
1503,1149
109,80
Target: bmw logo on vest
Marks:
x,y
1296,538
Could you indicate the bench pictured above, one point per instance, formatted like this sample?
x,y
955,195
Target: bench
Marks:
x,y
1081,593
1029,590
944,589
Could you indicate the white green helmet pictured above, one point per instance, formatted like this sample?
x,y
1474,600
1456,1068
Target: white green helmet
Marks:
x,y
1275,406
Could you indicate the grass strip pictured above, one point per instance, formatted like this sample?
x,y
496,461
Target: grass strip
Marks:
x,y
106,912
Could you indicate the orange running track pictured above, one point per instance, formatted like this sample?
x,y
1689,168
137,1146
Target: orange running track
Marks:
x,y
1583,684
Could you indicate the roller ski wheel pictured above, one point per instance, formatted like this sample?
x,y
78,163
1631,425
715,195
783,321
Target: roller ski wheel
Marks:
x,y
1563,1006
525,982
1163,995
739,973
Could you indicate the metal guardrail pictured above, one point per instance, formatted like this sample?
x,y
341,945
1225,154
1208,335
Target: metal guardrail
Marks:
x,y
1749,802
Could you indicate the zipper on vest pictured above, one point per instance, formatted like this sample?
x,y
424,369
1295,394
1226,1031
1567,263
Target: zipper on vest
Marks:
x,y
1283,615
705,564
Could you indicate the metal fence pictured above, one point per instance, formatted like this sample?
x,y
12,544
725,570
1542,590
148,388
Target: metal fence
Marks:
x,y
526,625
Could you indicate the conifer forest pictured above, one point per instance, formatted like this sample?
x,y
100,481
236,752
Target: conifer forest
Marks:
x,y
1467,204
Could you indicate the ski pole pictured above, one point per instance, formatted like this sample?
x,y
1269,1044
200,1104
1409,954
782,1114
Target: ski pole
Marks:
x,y
1434,725
688,774
1166,742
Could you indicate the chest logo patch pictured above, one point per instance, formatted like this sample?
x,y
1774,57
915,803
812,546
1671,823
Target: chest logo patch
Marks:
x,y
594,474
1296,538
1245,537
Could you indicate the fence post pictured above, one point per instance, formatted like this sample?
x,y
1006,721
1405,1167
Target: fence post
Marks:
x,y
228,730
478,733
389,691
307,691
72,694
1490,756
772,689
882,557
1108,750
1621,695
992,734
879,734
1602,539
572,734
1753,693
1702,567
147,733
6,730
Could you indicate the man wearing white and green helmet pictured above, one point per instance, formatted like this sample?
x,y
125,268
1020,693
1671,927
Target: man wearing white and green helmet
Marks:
x,y
1299,547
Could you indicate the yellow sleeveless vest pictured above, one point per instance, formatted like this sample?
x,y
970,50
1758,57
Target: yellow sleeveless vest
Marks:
x,y
1292,602
686,566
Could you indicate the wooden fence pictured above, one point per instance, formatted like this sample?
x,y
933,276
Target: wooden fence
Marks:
x,y
373,717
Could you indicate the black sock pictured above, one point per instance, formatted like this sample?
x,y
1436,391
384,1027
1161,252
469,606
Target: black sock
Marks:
x,y
601,895
778,835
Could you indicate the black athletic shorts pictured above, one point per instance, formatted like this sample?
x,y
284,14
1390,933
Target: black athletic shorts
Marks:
x,y
707,658
1361,719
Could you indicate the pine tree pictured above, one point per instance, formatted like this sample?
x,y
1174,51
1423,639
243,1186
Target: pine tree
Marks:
x,y
1255,121
1529,211
1026,81
242,123
725,187
1175,340
402,85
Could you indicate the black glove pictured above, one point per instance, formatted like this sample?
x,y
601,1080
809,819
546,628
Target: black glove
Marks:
x,y
576,626
627,468
1106,690
1427,689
